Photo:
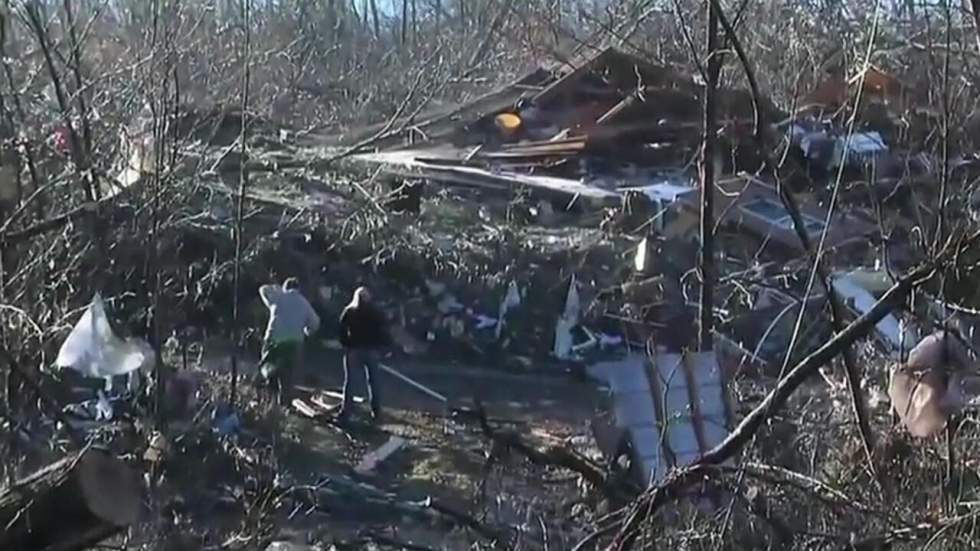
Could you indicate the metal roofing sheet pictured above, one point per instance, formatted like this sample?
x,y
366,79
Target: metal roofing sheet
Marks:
x,y
636,410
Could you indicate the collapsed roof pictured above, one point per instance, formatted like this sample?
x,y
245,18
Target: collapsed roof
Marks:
x,y
579,130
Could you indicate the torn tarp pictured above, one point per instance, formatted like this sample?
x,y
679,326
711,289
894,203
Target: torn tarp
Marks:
x,y
94,350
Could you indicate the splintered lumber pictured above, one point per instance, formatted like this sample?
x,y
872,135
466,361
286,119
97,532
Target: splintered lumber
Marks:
x,y
319,402
375,457
340,396
71,504
305,409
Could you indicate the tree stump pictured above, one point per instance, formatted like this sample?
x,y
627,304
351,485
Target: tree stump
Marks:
x,y
71,504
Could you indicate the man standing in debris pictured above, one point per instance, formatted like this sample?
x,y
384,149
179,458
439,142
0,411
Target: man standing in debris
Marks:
x,y
363,332
291,320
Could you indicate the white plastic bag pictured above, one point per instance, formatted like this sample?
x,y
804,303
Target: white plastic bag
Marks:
x,y
93,350
511,300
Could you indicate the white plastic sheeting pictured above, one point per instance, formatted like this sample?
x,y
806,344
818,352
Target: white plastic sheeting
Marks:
x,y
566,322
662,415
93,350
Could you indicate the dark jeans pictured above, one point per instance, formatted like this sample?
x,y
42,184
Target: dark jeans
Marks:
x,y
356,358
282,361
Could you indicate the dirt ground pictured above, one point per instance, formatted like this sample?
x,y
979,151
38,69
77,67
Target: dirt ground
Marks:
x,y
445,459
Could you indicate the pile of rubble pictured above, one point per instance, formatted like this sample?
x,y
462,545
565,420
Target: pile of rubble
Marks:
x,y
609,137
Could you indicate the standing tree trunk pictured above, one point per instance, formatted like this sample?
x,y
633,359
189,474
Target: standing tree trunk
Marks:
x,y
71,504
415,22
404,22
377,22
332,21
707,264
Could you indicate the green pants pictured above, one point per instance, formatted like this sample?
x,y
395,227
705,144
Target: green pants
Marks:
x,y
281,361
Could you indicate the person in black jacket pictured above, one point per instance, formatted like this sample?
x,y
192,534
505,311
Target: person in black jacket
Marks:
x,y
363,331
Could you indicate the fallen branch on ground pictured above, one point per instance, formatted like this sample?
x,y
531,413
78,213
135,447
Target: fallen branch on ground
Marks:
x,y
557,456
344,493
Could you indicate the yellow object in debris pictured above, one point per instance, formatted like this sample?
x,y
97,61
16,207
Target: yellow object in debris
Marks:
x,y
507,122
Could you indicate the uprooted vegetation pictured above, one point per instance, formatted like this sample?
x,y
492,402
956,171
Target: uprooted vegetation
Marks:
x,y
518,183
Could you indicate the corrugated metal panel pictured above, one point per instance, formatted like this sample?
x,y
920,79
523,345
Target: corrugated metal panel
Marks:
x,y
649,456
634,409
711,397
659,415
674,398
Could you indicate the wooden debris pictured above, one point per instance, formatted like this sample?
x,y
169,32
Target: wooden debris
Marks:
x,y
339,396
305,409
374,458
319,402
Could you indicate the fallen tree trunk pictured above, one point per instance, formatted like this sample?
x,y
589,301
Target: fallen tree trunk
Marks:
x,y
70,505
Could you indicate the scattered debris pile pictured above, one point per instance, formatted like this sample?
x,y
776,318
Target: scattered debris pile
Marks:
x,y
576,134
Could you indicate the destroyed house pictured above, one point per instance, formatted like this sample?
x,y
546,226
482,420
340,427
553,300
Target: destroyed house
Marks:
x,y
875,84
576,132
750,206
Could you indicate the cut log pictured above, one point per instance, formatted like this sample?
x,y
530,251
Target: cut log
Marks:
x,y
71,504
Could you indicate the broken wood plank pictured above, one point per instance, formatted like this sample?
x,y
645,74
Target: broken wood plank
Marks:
x,y
340,396
375,457
319,402
568,150
305,409
548,142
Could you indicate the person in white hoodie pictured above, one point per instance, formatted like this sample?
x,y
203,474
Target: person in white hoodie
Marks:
x,y
291,319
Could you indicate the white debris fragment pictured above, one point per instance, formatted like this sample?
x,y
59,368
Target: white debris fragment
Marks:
x,y
374,458
591,343
449,304
566,322
641,261
607,341
485,322
290,546
511,300
103,409
94,350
